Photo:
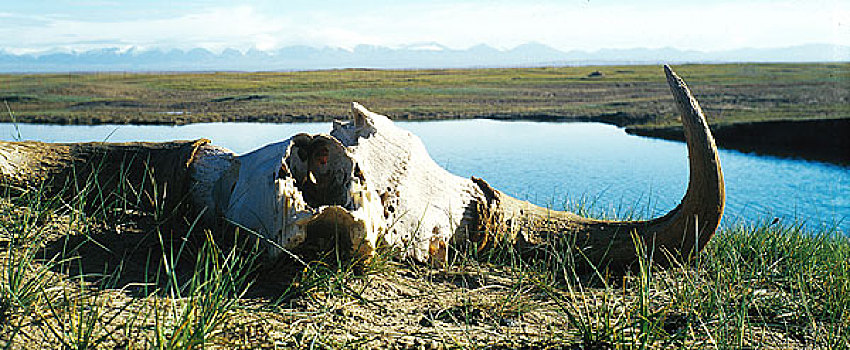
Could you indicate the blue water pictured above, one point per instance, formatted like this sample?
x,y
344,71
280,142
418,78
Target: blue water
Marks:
x,y
553,164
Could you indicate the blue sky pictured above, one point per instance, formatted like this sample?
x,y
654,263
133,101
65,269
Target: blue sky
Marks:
x,y
37,26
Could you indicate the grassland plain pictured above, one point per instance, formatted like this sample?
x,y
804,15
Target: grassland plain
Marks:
x,y
96,271
621,95
77,273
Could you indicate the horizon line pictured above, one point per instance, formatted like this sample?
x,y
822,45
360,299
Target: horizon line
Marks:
x,y
408,47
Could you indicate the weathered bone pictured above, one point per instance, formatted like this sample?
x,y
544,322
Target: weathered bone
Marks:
x,y
370,182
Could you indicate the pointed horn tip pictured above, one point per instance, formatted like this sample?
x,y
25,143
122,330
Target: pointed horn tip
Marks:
x,y
671,75
686,102
359,113
673,79
358,109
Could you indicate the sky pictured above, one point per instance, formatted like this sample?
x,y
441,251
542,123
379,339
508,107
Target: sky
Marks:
x,y
80,25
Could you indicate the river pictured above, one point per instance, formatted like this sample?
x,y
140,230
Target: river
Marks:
x,y
561,165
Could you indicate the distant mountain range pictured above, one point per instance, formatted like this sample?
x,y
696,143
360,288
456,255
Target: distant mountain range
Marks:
x,y
422,55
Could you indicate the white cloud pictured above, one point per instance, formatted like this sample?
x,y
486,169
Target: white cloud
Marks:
x,y
239,27
580,26
565,25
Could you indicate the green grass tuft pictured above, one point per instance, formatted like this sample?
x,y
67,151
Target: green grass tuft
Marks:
x,y
74,278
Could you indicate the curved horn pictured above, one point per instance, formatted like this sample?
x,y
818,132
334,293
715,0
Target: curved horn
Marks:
x,y
683,231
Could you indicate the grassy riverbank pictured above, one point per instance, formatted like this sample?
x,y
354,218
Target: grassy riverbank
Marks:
x,y
814,139
111,276
621,95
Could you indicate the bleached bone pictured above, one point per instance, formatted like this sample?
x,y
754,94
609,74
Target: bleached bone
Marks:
x,y
370,183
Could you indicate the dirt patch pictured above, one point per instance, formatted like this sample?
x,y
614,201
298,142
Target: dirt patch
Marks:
x,y
125,281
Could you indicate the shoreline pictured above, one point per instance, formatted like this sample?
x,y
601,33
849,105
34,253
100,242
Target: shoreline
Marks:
x,y
619,119
822,140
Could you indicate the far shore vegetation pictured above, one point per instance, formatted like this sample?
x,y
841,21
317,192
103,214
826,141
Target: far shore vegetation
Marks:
x,y
620,95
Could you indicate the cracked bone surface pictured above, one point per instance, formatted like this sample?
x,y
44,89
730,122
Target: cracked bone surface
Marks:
x,y
368,179
370,182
